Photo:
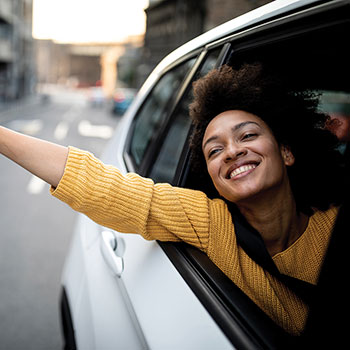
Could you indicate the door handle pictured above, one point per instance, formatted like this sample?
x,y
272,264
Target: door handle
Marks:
x,y
113,248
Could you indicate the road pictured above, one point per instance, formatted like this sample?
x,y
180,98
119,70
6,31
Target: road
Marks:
x,y
35,227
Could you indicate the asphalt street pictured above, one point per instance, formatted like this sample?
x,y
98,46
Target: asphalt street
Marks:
x,y
35,228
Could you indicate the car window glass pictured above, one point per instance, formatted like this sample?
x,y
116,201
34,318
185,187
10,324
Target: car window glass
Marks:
x,y
167,161
154,110
336,104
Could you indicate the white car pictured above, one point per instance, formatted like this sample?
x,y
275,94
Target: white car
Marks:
x,y
122,292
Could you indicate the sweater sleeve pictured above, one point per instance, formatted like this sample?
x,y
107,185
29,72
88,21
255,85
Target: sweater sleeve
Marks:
x,y
133,204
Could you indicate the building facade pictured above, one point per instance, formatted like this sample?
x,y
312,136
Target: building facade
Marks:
x,y
17,64
86,64
171,23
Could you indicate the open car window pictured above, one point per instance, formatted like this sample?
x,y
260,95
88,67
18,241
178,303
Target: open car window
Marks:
x,y
336,104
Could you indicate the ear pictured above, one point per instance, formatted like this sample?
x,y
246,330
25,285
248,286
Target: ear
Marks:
x,y
287,155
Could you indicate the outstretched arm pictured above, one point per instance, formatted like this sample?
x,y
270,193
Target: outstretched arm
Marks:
x,y
43,159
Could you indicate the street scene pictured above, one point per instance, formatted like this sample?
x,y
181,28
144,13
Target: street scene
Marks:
x,y
210,219
35,228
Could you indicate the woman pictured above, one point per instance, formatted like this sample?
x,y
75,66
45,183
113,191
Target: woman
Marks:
x,y
245,128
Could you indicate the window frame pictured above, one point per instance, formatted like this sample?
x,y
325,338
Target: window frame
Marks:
x,y
150,152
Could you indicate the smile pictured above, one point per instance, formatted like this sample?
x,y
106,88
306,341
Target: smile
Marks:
x,y
242,169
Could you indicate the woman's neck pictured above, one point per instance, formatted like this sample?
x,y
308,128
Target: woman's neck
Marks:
x,y
277,220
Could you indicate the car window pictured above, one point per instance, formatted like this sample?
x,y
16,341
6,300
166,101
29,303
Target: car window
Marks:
x,y
165,165
154,111
336,104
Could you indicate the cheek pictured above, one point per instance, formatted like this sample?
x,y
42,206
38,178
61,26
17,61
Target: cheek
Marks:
x,y
213,171
278,167
273,152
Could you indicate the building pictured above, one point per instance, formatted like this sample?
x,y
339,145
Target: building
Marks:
x,y
171,23
85,64
17,66
65,63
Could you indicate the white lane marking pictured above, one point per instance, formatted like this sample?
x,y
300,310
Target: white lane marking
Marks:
x,y
35,185
29,127
61,130
68,117
85,128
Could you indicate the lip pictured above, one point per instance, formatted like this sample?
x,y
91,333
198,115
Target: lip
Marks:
x,y
238,165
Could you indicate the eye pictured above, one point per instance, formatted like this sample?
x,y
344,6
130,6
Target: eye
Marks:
x,y
213,152
249,136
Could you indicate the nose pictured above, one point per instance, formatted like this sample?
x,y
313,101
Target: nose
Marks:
x,y
233,152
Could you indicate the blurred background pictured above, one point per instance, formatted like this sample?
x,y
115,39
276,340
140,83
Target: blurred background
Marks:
x,y
81,43
68,70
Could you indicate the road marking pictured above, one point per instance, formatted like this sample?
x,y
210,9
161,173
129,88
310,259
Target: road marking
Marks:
x,y
85,128
61,130
68,117
29,127
35,185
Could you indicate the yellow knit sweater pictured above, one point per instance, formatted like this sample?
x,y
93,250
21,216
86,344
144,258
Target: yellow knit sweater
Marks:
x,y
132,204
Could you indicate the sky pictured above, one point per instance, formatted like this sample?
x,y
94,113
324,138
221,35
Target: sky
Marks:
x,y
71,21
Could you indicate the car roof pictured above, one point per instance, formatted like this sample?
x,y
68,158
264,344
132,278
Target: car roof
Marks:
x,y
254,17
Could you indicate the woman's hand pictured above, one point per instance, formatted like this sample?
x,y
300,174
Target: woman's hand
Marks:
x,y
43,159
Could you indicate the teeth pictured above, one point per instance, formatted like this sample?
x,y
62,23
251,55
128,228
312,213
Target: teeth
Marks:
x,y
242,169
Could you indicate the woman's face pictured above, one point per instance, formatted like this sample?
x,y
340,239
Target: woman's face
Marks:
x,y
243,157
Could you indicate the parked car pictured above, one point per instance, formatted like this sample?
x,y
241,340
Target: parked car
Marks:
x,y
96,96
122,99
122,292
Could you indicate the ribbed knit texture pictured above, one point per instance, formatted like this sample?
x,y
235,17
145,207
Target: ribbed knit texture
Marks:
x,y
132,204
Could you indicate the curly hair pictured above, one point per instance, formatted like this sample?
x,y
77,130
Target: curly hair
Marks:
x,y
316,176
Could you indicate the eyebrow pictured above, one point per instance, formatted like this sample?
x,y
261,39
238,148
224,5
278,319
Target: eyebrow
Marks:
x,y
235,128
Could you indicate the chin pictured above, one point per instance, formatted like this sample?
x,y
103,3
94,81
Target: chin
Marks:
x,y
244,196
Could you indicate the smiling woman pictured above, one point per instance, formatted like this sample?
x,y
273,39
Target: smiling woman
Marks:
x,y
267,151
